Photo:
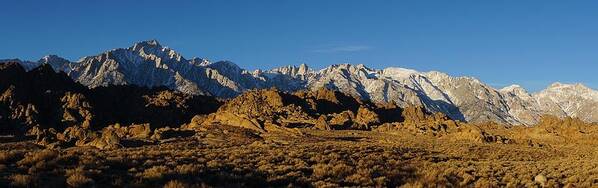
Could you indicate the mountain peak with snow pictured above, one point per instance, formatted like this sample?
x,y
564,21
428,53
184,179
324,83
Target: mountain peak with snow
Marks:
x,y
51,57
398,72
515,88
558,89
149,43
559,85
148,63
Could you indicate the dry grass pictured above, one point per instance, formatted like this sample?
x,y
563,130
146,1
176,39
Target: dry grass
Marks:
x,y
77,178
222,157
155,172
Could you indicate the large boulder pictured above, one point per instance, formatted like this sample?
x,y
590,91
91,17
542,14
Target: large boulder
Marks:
x,y
343,120
169,133
366,118
139,131
77,110
320,109
108,140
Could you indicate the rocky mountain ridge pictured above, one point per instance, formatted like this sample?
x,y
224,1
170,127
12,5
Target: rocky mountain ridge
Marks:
x,y
150,64
59,112
41,99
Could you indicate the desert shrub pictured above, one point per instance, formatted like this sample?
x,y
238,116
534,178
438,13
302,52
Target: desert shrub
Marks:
x,y
175,184
9,156
484,182
214,164
362,176
21,180
188,169
320,170
156,172
79,180
38,156
341,170
432,178
325,184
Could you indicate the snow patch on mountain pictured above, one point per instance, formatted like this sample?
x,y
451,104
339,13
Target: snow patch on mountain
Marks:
x,y
150,64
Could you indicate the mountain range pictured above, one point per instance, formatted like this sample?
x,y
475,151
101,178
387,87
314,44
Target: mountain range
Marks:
x,y
150,64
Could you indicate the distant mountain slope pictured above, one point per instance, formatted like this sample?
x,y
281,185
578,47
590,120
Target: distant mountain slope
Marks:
x,y
574,100
150,64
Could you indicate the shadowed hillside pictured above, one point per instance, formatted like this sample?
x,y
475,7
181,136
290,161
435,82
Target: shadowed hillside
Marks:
x,y
43,99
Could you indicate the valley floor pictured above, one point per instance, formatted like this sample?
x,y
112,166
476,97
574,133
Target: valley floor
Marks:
x,y
233,157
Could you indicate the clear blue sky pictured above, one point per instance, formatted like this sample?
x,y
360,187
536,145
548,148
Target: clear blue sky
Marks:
x,y
532,43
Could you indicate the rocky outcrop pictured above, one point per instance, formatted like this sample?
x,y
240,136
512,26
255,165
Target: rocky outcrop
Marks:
x,y
35,98
366,118
42,99
170,133
158,107
417,121
108,140
133,131
77,110
324,109
257,109
561,130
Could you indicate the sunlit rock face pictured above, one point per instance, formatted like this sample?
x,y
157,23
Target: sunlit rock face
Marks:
x,y
150,64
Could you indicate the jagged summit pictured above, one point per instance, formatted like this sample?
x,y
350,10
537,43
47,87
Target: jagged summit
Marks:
x,y
515,88
152,42
52,58
464,98
399,72
570,89
512,87
575,100
293,70
559,85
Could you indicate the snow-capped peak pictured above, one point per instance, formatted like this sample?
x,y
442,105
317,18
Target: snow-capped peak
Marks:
x,y
559,85
148,47
515,90
349,68
52,58
397,72
148,63
199,61
578,89
149,43
512,88
152,49
292,70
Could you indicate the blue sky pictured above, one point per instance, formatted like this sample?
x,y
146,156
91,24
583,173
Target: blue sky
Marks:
x,y
529,42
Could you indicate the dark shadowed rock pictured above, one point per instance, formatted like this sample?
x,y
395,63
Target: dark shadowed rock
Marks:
x,y
46,99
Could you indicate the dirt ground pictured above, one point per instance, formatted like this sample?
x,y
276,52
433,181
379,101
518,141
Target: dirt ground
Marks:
x,y
231,157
